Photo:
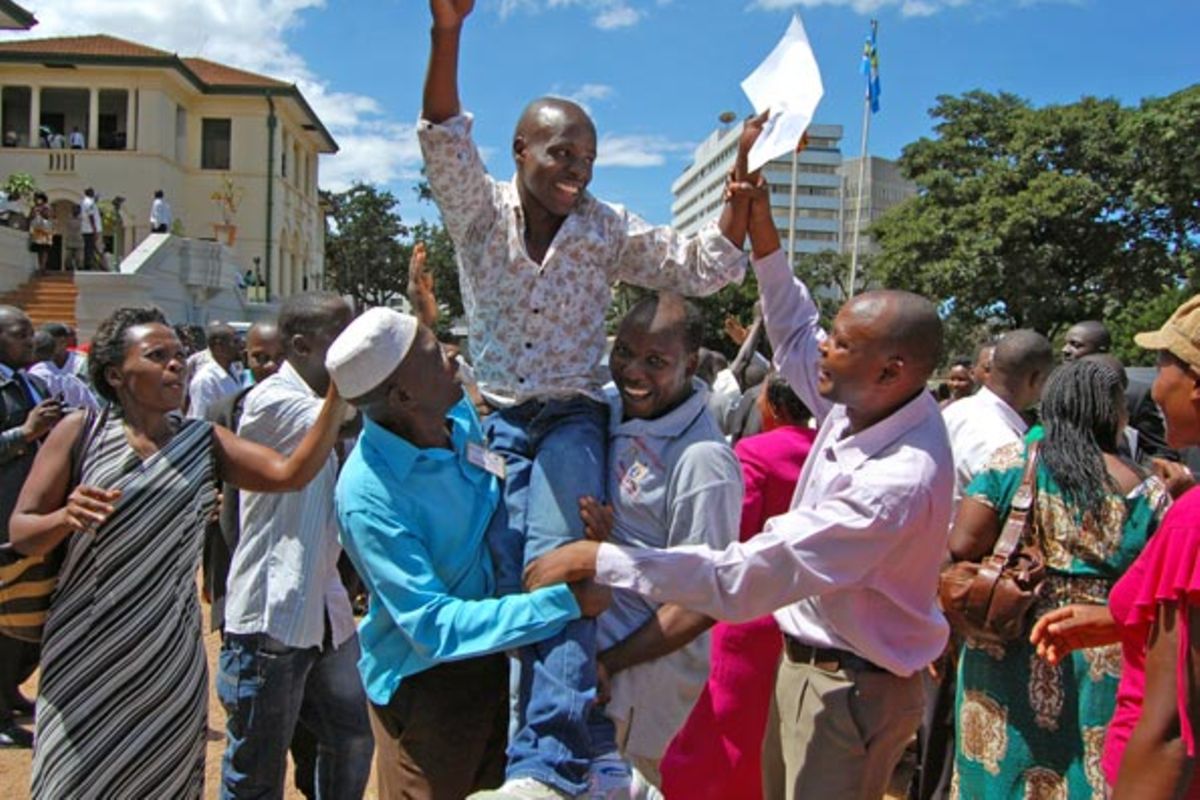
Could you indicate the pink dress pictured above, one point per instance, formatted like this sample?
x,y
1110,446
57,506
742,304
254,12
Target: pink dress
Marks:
x,y
717,753
1168,570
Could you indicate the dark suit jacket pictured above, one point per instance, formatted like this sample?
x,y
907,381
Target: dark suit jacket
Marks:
x,y
16,455
1146,419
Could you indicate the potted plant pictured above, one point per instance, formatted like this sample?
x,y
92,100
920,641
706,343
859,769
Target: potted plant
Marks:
x,y
228,198
18,199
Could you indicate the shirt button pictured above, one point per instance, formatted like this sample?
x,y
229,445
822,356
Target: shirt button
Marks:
x,y
528,345
537,311
520,380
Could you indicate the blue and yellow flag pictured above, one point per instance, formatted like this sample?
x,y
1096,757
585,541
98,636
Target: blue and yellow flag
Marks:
x,y
870,67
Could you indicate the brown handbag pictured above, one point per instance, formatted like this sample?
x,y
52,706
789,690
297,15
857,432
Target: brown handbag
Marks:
x,y
990,601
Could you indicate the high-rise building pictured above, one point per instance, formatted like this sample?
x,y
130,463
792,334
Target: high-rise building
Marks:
x,y
883,187
698,192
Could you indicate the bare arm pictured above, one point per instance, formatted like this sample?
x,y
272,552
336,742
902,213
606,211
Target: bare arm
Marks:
x,y
441,81
255,468
664,633
44,514
976,528
1156,764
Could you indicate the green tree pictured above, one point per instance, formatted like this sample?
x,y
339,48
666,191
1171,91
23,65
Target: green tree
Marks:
x,y
1037,218
364,256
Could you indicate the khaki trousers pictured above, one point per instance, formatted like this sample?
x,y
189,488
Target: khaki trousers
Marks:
x,y
842,733
442,735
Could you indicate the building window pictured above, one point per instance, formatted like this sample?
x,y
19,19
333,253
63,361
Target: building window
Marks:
x,y
215,137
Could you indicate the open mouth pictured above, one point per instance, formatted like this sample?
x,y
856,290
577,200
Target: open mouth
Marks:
x,y
637,395
569,191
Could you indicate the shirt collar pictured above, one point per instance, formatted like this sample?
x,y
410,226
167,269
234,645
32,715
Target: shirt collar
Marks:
x,y
288,375
669,425
1011,417
857,448
6,372
401,455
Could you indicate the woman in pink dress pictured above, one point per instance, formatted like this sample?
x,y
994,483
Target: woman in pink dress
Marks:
x,y
717,753
1154,609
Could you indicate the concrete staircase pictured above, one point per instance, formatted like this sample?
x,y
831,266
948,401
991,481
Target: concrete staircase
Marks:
x,y
46,298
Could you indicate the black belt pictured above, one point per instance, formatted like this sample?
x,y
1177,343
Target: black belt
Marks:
x,y
829,659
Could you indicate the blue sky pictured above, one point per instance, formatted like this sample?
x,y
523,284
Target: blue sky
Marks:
x,y
655,73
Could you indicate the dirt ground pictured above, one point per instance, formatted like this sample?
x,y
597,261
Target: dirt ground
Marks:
x,y
15,764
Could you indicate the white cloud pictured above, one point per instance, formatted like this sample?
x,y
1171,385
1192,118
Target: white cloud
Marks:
x,y
252,35
639,150
908,8
586,95
606,14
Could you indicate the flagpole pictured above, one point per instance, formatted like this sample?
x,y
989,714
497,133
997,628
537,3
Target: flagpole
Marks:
x,y
791,254
862,170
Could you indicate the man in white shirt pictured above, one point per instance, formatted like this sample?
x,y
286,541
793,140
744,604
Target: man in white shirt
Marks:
x,y
78,142
52,368
978,426
213,378
851,570
290,650
160,213
90,224
981,424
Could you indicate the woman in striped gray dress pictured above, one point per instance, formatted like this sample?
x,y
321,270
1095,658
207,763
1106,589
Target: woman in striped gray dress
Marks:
x,y
122,706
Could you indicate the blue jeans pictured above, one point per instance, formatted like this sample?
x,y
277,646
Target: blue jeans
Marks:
x,y
266,687
555,453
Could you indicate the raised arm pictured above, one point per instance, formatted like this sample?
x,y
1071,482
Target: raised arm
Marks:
x,y
420,288
441,81
256,468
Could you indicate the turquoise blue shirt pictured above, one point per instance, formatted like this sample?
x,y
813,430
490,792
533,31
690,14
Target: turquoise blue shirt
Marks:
x,y
413,522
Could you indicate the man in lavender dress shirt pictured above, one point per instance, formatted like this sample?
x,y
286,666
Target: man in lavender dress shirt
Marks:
x,y
851,570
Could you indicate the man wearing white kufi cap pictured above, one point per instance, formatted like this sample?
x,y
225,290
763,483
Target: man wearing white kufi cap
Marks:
x,y
414,501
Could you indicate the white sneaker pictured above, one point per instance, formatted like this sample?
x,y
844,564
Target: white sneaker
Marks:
x,y
521,789
609,778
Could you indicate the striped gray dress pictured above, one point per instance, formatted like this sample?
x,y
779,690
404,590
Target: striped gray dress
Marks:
x,y
122,704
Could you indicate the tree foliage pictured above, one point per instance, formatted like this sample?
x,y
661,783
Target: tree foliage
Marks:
x,y
1040,217
364,256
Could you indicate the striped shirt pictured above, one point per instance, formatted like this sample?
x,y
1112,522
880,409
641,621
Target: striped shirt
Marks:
x,y
284,578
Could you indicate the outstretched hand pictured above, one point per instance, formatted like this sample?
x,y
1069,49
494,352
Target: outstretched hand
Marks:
x,y
597,519
450,13
1060,632
735,330
571,562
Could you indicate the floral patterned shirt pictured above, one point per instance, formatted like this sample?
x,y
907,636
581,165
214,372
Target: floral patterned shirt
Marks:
x,y
537,330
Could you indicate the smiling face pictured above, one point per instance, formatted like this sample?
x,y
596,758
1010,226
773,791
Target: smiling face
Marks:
x,y
852,359
651,362
554,149
151,374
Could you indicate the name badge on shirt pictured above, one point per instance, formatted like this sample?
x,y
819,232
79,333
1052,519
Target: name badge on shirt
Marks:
x,y
486,459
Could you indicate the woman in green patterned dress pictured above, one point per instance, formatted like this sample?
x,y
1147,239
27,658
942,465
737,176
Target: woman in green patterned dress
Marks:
x,y
1027,729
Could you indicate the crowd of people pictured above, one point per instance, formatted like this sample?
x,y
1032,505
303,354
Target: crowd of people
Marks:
x,y
593,569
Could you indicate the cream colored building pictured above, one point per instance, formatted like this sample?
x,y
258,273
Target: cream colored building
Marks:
x,y
152,120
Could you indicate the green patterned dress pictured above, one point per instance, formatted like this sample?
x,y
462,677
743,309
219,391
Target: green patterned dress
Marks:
x,y
1027,729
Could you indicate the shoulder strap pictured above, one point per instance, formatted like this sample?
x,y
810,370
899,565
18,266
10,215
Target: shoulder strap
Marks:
x,y
1022,503
92,422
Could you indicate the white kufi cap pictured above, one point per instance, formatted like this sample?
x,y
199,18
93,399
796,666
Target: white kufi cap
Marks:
x,y
369,350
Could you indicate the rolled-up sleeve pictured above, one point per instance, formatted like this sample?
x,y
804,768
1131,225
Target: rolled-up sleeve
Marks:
x,y
457,176
794,329
807,552
398,572
659,257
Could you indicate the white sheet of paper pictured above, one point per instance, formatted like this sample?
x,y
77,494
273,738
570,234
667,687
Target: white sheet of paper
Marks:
x,y
788,83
